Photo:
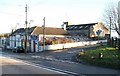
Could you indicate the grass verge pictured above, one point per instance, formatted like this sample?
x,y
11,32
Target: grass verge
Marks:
x,y
103,55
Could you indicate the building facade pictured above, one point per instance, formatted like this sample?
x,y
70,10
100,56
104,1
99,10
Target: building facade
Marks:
x,y
17,38
34,36
89,30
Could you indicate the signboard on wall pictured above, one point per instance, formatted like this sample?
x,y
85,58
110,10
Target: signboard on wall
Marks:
x,y
34,37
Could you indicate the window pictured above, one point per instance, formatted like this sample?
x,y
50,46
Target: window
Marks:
x,y
80,27
75,27
86,27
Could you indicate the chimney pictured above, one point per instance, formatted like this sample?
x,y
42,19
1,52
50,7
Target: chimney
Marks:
x,y
65,24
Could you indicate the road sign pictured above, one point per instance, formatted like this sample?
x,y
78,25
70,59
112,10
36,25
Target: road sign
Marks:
x,y
98,32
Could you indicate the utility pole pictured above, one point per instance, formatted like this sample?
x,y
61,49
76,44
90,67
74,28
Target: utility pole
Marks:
x,y
44,34
110,26
26,31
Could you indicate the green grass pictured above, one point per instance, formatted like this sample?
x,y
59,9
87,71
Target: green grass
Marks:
x,y
110,56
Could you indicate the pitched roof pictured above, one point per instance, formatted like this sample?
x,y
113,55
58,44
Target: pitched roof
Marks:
x,y
79,26
49,31
22,31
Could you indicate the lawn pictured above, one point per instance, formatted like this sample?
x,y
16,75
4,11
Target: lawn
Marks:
x,y
109,59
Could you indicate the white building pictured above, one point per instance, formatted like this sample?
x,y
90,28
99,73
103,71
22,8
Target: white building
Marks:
x,y
35,34
2,40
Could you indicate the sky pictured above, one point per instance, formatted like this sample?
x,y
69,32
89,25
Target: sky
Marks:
x,y
12,12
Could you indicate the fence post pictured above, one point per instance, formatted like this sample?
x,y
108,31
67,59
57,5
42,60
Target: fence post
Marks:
x,y
108,41
116,40
119,45
112,42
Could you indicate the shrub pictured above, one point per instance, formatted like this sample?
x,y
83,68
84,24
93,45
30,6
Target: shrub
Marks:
x,y
50,41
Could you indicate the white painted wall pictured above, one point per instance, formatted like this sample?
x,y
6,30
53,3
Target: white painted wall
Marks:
x,y
2,39
12,39
16,40
32,46
69,45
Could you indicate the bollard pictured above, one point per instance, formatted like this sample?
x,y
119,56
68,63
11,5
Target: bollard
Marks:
x,y
100,55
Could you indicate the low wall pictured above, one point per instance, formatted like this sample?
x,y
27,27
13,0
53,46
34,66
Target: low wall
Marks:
x,y
69,45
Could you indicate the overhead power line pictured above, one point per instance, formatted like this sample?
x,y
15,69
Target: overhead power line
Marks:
x,y
8,13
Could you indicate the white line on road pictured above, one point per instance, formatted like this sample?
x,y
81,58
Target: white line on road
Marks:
x,y
51,69
45,67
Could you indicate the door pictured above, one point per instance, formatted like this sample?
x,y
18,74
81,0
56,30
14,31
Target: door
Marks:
x,y
34,46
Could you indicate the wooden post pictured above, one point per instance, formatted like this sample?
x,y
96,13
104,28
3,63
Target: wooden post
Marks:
x,y
44,34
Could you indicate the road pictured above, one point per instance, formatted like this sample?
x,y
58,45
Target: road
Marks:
x,y
13,66
62,61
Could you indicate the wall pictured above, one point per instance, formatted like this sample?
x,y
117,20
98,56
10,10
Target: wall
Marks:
x,y
34,46
2,40
17,41
97,27
12,41
69,45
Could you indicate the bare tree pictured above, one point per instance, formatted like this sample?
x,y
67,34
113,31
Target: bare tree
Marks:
x,y
111,18
119,18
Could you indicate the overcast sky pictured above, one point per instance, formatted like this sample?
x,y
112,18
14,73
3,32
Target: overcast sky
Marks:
x,y
12,12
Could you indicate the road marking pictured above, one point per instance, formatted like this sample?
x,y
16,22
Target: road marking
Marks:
x,y
52,59
37,66
63,71
45,67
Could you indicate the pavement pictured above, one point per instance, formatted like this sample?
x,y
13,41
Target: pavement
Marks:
x,y
63,59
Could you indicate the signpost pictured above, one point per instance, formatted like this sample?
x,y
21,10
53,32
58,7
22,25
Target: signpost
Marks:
x,y
98,32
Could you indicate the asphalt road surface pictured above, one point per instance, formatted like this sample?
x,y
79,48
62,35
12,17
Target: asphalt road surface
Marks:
x,y
13,66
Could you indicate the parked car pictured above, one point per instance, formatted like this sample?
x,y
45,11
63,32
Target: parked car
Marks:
x,y
19,49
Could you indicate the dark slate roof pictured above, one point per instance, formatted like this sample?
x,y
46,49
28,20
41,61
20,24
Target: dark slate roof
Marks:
x,y
49,31
79,26
22,31
39,30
